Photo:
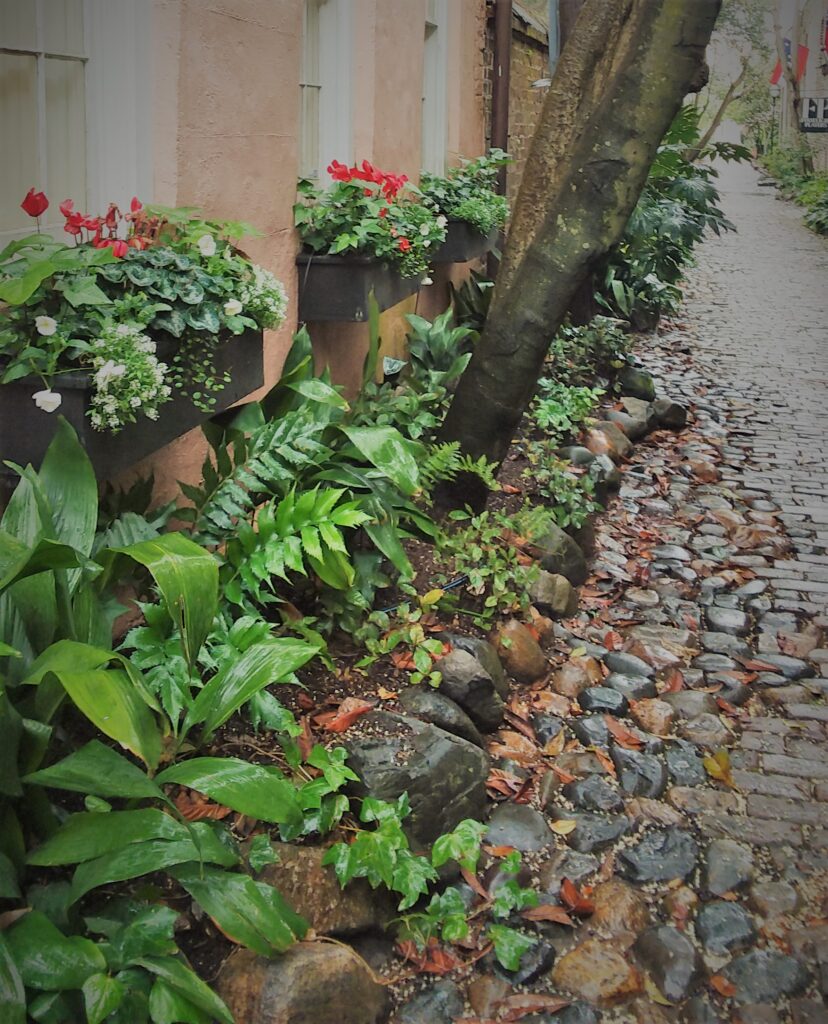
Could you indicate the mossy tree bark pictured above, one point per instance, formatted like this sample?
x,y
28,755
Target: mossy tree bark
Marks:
x,y
619,83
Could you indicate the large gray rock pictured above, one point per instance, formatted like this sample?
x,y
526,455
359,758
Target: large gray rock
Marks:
x,y
312,890
671,960
763,976
520,826
444,776
725,927
620,444
659,856
594,832
634,427
440,1003
312,983
628,664
558,553
637,383
639,774
669,414
468,684
426,703
553,595
485,654
729,866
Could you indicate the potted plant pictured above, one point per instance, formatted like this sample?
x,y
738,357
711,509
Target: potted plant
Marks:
x,y
368,232
149,323
467,197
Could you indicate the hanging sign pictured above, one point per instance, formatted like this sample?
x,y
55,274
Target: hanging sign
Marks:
x,y
814,114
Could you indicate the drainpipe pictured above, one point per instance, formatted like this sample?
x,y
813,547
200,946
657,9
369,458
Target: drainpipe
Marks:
x,y
501,64
500,80
554,36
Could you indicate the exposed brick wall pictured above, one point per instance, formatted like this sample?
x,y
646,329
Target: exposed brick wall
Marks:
x,y
530,62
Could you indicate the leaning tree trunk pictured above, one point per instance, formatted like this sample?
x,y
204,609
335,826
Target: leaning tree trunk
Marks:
x,y
619,83
695,152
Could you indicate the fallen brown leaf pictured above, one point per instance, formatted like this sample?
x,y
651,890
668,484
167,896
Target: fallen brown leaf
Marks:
x,y
346,714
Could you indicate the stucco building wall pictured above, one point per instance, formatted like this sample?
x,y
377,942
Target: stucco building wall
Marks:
x,y
225,138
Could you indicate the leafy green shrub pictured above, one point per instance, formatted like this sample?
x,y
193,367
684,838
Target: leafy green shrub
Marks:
x,y
569,496
579,354
560,408
439,351
471,301
469,192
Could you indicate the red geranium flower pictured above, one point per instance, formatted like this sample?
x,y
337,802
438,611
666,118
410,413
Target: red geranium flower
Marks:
x,y
35,203
404,245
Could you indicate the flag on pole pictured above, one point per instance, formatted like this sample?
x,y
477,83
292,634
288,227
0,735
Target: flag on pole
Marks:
x,y
802,60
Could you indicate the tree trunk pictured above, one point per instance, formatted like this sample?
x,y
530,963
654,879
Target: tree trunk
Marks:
x,y
568,11
619,83
694,152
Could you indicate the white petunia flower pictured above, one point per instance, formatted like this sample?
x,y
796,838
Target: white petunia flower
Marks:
x,y
427,280
47,400
207,245
441,221
109,371
123,330
232,307
45,326
424,229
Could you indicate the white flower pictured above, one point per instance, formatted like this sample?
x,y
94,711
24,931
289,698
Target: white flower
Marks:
x,y
427,280
207,245
123,330
427,243
232,307
45,326
424,229
47,400
108,372
441,221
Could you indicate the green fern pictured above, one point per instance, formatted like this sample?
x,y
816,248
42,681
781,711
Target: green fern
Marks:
x,y
446,462
304,530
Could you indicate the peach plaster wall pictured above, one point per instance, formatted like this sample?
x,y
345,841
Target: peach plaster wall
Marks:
x,y
225,138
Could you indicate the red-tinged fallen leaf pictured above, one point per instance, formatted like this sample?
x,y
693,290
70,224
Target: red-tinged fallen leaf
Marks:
x,y
518,1006
384,694
346,714
432,960
473,882
622,735
524,794
722,986
613,641
498,851
515,747
521,725
674,681
564,776
510,489
403,660
305,740
193,806
730,709
503,783
575,900
548,912
305,701
606,762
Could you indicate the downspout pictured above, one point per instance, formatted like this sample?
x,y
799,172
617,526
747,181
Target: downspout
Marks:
x,y
501,71
554,37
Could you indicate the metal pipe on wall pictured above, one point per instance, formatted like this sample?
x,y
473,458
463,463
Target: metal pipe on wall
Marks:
x,y
501,70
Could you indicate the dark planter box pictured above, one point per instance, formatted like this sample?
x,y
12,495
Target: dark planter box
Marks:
x,y
337,287
463,243
25,430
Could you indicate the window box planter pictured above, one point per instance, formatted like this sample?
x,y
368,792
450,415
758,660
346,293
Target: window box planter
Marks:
x,y
463,243
338,287
25,430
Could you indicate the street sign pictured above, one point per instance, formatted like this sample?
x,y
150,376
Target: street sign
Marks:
x,y
814,114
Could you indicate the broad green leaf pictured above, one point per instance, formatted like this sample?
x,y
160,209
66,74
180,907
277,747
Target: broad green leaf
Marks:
x,y
11,728
170,1007
510,946
84,292
70,486
394,455
187,577
9,888
412,876
154,855
98,770
110,701
19,561
86,836
48,960
247,912
258,791
316,390
260,852
12,996
462,844
16,290
259,666
102,995
179,977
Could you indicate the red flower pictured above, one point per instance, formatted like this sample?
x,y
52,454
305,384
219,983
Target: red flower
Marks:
x,y
35,203
67,207
384,212
119,248
338,171
404,245
135,205
111,219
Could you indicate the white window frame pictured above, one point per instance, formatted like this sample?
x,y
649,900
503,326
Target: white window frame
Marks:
x,y
117,108
334,27
434,144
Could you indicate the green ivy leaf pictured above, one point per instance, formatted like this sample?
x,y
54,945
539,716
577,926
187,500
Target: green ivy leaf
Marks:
x,y
461,845
510,946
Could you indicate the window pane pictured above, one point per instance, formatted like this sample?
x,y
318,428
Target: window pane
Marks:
x,y
18,27
65,132
310,131
18,130
63,24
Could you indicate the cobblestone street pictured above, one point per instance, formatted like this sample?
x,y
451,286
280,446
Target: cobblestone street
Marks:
x,y
749,353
